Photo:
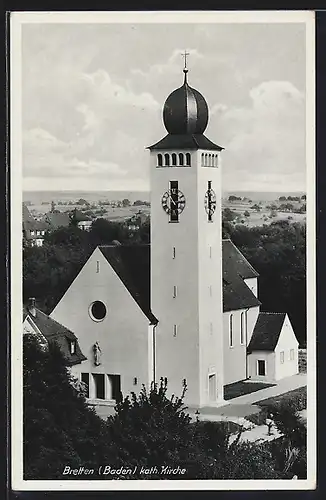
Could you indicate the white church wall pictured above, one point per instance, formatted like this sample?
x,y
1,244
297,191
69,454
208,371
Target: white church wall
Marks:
x,y
252,283
252,316
210,283
286,352
235,355
123,335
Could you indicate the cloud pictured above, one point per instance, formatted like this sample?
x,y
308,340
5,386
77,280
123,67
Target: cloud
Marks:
x,y
264,142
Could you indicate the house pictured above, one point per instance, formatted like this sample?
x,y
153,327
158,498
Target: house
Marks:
x,y
33,230
81,220
56,219
187,307
47,330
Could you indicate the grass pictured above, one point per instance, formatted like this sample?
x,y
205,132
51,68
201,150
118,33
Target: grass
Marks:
x,y
240,388
296,398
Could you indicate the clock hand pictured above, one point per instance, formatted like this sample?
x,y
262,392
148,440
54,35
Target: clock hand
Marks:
x,y
172,200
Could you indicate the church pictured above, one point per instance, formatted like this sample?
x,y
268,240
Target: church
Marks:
x,y
186,307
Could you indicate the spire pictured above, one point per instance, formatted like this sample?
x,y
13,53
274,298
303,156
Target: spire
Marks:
x,y
185,70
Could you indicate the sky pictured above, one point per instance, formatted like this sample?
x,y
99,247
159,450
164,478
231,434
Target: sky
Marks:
x,y
93,95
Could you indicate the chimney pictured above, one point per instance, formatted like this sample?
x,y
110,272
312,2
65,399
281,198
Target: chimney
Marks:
x,y
31,306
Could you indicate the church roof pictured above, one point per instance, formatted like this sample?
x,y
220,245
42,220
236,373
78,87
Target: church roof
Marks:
x,y
55,332
236,268
234,260
266,332
132,265
185,141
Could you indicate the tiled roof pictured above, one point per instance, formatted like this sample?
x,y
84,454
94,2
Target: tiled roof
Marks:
x,y
185,141
237,260
79,216
57,219
236,268
266,331
132,265
55,332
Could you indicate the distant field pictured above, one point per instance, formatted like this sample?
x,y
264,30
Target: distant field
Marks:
x,y
111,214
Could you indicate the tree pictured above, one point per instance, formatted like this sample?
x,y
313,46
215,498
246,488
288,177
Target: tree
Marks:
x,y
256,207
59,428
282,198
228,215
126,202
246,213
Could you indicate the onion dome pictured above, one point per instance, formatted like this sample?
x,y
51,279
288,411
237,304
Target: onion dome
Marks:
x,y
185,110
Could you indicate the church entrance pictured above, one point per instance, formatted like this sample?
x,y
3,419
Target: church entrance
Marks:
x,y
212,387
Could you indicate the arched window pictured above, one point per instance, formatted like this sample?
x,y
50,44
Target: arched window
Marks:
x,y
181,159
174,159
188,159
167,159
202,159
231,330
159,160
209,160
206,164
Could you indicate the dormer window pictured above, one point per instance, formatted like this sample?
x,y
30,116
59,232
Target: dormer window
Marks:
x,y
72,347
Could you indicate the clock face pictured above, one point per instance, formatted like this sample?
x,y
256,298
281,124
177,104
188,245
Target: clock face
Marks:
x,y
173,200
210,201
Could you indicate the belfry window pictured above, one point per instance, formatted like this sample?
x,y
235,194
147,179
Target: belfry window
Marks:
x,y
188,159
167,159
174,159
181,159
159,160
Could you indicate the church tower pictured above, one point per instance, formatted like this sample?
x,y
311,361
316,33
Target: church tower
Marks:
x,y
186,251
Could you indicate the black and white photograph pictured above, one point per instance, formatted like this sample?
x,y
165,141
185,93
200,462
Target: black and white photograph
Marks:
x,y
162,250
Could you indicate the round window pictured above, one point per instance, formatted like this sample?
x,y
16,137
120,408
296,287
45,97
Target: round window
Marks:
x,y
97,311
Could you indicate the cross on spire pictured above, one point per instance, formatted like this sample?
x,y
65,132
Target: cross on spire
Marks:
x,y
185,58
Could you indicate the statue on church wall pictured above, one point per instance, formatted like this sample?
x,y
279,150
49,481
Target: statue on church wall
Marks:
x,y
97,354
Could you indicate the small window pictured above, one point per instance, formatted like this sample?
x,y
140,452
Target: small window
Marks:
x,y
174,292
99,385
97,311
135,380
32,233
210,290
210,252
72,347
167,159
159,160
231,330
282,357
174,330
211,328
261,367
188,159
97,266
291,354
181,159
173,253
174,159
243,327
